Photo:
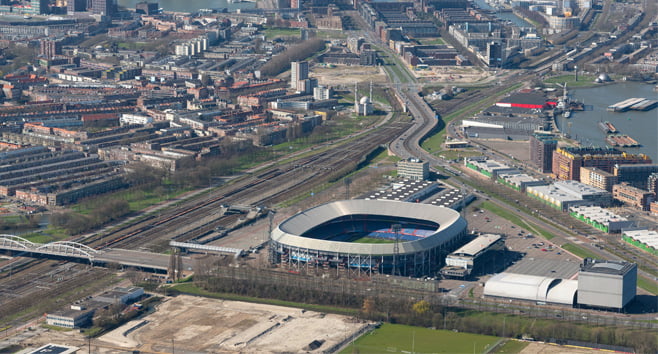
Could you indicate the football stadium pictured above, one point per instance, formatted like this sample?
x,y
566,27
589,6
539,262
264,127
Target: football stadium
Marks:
x,y
368,236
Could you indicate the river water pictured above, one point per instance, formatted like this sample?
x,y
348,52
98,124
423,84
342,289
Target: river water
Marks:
x,y
192,5
641,126
507,16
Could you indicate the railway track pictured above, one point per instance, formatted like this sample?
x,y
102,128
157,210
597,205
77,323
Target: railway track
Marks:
x,y
270,186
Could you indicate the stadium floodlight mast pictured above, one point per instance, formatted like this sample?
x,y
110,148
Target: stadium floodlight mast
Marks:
x,y
396,247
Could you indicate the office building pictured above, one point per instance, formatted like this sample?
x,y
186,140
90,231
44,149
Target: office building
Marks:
x,y
414,169
76,6
103,7
541,151
322,93
41,5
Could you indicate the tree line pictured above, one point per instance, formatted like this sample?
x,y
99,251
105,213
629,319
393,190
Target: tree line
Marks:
x,y
379,302
281,62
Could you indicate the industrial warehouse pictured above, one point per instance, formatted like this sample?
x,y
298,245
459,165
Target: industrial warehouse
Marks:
x,y
369,236
601,284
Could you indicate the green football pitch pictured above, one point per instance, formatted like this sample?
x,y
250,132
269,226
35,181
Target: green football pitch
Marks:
x,y
368,239
392,338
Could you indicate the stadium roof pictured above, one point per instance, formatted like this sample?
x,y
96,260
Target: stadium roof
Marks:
x,y
532,288
451,224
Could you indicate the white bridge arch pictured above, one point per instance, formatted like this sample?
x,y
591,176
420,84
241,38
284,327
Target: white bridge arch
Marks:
x,y
17,241
57,248
68,248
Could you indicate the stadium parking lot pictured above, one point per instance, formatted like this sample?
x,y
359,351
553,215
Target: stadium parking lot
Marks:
x,y
538,255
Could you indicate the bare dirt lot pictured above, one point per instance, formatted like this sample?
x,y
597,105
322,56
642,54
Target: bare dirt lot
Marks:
x,y
348,75
452,74
201,325
543,348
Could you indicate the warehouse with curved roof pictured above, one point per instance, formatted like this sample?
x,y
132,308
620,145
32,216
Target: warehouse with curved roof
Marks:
x,y
532,288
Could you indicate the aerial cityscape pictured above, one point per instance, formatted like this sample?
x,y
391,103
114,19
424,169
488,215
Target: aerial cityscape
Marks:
x,y
362,176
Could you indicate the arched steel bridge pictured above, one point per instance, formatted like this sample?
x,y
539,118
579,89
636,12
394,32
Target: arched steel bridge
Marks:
x,y
72,250
57,248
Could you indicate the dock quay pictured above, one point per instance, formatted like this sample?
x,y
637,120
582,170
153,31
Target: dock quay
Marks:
x,y
645,105
635,103
618,140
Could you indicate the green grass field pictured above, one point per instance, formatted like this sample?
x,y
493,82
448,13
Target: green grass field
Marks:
x,y
579,251
393,338
431,41
583,80
274,32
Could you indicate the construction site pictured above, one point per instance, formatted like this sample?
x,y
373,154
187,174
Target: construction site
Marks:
x,y
213,326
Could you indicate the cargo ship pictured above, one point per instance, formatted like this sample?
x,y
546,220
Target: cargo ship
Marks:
x,y
617,140
607,127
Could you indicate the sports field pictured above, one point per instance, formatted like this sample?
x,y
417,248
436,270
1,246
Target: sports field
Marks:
x,y
392,338
368,239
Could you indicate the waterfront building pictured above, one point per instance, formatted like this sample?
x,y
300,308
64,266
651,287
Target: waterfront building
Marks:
x,y
567,161
635,175
598,178
541,151
636,197
652,183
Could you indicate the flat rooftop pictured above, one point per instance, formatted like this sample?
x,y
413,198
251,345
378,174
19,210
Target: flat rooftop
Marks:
x,y
54,349
477,245
650,238
606,267
546,267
